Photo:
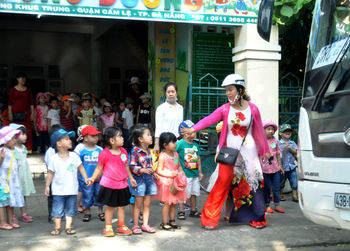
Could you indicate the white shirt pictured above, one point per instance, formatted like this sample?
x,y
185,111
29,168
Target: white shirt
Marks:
x,y
48,155
79,148
54,115
129,118
65,178
168,118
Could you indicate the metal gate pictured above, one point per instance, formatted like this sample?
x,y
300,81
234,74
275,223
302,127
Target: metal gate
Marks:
x,y
290,93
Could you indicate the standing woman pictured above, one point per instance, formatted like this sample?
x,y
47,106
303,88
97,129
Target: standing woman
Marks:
x,y
237,115
21,106
169,115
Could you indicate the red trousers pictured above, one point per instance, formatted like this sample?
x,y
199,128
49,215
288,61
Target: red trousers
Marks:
x,y
216,199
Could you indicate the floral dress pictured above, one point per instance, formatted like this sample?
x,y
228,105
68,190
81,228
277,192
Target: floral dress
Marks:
x,y
14,183
24,171
247,194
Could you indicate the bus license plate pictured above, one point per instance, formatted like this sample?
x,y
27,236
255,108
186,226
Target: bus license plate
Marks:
x,y
342,200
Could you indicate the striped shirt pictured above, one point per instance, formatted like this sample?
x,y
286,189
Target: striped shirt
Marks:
x,y
67,123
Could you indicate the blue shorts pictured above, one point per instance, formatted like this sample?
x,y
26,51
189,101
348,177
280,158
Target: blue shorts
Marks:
x,y
89,194
145,185
64,205
292,177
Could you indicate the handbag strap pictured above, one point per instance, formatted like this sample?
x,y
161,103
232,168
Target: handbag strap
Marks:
x,y
8,174
251,120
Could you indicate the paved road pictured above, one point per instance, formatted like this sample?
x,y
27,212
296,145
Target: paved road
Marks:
x,y
290,231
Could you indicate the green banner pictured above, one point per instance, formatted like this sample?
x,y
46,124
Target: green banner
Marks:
x,y
234,12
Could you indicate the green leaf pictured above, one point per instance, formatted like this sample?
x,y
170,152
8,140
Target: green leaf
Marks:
x,y
287,11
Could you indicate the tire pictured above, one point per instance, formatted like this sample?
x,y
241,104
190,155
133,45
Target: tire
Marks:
x,y
208,167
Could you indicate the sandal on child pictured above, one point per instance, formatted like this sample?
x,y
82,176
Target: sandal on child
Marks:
x,y
101,216
6,227
70,231
195,214
166,226
15,220
26,218
15,225
174,225
136,230
86,218
148,229
181,215
56,231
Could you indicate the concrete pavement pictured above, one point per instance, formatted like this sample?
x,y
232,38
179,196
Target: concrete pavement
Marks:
x,y
289,231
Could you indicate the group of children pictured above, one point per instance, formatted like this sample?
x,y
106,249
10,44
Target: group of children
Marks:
x,y
281,165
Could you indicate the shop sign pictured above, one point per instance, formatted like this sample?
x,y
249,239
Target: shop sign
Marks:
x,y
227,12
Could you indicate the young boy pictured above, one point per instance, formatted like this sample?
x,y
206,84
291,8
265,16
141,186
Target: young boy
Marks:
x,y
289,150
66,114
189,151
62,173
145,112
89,156
53,115
87,114
128,121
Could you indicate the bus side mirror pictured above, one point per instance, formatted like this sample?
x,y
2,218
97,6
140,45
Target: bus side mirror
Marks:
x,y
265,19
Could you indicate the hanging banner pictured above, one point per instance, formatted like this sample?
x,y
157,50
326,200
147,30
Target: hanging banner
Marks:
x,y
226,12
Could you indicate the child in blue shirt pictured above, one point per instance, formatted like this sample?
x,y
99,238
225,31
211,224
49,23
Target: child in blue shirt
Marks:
x,y
288,152
88,154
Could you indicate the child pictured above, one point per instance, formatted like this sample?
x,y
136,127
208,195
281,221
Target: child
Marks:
x,y
119,115
108,117
141,166
53,115
49,153
289,151
128,120
66,114
168,168
114,191
9,177
24,171
87,114
40,121
190,161
145,112
271,169
63,175
89,156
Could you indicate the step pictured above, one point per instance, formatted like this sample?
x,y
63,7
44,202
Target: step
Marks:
x,y
36,163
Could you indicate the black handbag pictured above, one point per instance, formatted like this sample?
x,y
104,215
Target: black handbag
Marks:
x,y
228,155
19,116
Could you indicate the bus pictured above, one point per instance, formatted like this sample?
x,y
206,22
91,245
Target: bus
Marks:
x,y
324,122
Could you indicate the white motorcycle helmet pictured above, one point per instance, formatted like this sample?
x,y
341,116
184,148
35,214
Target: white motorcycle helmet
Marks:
x,y
234,79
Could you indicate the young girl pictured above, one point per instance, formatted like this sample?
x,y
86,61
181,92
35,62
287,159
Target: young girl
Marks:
x,y
114,190
9,177
24,171
168,168
108,117
40,121
141,167
271,168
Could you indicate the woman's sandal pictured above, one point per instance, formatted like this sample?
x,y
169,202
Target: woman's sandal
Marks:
x,y
70,231
136,230
181,215
174,225
101,216
148,229
56,231
226,218
166,226
209,227
87,217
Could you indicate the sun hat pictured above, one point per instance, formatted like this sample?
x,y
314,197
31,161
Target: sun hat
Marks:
x,y
186,124
80,128
67,97
41,94
59,134
233,79
285,127
267,123
89,130
146,95
7,133
16,126
134,80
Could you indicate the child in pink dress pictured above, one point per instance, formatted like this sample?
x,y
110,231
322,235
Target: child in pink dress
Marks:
x,y
108,117
168,169
40,121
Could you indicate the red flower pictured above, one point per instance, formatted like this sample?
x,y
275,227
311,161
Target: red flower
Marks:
x,y
240,116
244,187
238,203
235,129
242,131
236,193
